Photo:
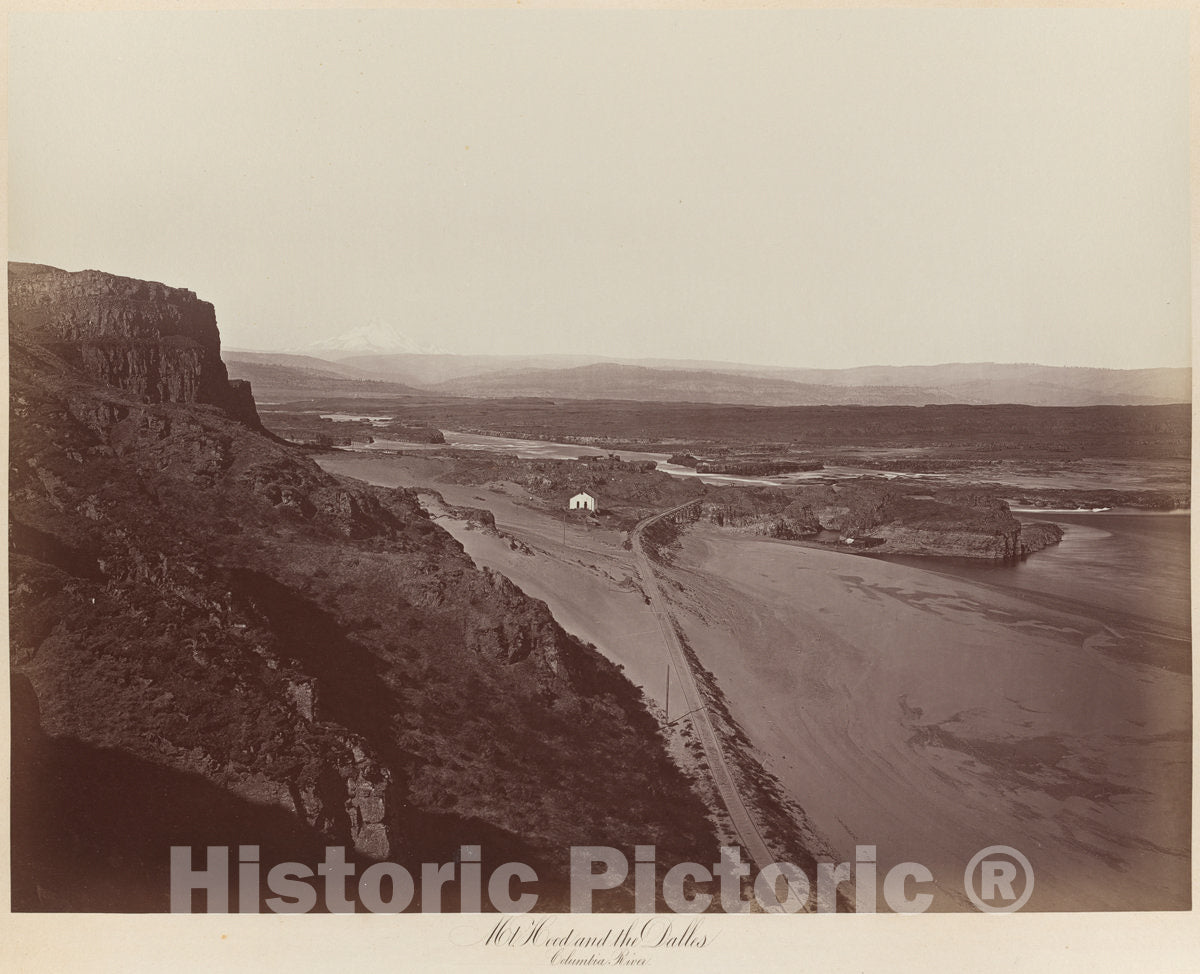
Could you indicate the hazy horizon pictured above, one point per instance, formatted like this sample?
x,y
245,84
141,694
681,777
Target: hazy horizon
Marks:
x,y
648,361
808,189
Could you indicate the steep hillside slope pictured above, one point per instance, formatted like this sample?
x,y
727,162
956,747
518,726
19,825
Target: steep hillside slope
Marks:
x,y
214,642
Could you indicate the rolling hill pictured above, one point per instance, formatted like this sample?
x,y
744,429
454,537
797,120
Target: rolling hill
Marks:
x,y
607,380
937,385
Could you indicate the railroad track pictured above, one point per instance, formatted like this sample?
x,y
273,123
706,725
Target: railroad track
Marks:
x,y
739,814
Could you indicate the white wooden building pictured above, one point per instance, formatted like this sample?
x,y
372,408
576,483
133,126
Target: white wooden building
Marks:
x,y
582,501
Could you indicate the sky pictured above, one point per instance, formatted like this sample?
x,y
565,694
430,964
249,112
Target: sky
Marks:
x,y
803,188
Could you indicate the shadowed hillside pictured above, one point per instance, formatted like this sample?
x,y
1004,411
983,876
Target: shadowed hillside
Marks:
x,y
224,643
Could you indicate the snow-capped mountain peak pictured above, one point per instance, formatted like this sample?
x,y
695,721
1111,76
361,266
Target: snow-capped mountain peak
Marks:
x,y
376,338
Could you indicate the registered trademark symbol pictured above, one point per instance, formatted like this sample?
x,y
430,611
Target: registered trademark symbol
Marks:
x,y
992,878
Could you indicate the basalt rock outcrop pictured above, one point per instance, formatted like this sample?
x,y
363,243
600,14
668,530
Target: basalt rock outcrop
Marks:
x,y
225,645
760,511
159,343
876,516
954,524
1036,535
756,466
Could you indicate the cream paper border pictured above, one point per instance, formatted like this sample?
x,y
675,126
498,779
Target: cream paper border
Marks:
x,y
1127,942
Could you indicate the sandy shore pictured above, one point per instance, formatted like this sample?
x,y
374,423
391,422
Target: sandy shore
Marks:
x,y
932,717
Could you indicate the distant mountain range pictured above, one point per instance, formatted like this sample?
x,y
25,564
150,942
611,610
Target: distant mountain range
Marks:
x,y
278,376
898,385
610,380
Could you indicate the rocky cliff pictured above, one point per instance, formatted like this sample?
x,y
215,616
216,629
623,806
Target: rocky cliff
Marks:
x,y
159,343
225,645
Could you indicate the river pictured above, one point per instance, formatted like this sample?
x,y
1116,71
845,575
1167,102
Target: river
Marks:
x,y
933,707
1135,563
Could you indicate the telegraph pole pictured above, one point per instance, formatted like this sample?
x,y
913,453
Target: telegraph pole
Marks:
x,y
668,708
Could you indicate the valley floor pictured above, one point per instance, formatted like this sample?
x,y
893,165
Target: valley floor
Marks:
x,y
924,714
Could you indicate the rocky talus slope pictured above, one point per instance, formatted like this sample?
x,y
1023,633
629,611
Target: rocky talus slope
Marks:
x,y
214,642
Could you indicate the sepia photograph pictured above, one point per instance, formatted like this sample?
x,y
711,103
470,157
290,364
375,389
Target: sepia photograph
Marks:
x,y
597,474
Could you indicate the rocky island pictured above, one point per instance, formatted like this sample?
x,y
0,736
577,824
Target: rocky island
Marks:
x,y
883,519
